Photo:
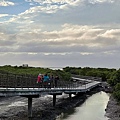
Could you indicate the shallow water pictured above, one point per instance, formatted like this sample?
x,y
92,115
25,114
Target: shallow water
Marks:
x,y
92,109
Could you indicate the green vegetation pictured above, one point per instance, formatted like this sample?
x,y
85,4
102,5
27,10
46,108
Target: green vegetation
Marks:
x,y
104,73
114,81
112,76
34,71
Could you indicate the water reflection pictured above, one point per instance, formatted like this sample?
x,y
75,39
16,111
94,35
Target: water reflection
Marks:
x,y
92,109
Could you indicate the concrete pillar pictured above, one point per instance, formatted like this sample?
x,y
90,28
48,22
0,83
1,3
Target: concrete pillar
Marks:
x,y
29,106
54,99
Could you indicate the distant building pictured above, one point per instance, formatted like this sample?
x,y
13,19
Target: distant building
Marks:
x,y
25,65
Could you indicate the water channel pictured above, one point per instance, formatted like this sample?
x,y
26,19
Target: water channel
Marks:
x,y
92,109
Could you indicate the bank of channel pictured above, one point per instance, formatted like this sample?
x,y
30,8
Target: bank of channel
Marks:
x,y
92,109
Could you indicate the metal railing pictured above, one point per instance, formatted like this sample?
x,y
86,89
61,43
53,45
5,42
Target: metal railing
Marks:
x,y
10,80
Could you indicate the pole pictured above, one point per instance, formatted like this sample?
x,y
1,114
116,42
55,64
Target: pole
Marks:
x,y
29,106
54,99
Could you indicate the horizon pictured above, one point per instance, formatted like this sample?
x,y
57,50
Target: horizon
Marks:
x,y
56,67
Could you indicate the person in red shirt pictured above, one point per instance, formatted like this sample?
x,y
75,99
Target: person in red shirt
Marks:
x,y
39,80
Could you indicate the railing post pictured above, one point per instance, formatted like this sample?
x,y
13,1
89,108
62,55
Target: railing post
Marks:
x,y
7,81
22,81
15,81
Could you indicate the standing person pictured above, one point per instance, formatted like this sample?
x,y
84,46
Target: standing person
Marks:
x,y
52,80
46,80
39,80
56,81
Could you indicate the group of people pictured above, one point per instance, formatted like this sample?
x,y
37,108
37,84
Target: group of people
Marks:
x,y
47,81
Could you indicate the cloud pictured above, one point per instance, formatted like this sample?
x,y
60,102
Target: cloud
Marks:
x,y
6,3
51,60
73,12
3,15
50,2
64,32
70,39
100,1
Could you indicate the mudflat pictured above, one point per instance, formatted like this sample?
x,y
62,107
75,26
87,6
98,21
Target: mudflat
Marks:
x,y
16,108
113,109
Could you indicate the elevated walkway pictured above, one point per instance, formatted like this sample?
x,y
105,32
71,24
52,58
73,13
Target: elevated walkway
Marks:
x,y
45,91
31,90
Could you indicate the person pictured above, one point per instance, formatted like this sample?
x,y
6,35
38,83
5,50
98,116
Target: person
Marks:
x,y
56,81
46,80
39,80
52,80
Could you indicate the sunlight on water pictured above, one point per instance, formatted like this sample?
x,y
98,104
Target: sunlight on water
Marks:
x,y
92,109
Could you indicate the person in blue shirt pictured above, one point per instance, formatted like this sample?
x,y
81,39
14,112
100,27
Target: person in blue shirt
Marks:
x,y
46,80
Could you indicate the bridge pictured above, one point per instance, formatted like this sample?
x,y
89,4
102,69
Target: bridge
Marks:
x,y
26,86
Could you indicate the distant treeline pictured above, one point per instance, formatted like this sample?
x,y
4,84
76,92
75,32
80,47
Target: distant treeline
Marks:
x,y
34,71
112,76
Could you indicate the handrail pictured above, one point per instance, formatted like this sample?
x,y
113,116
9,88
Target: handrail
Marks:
x,y
9,80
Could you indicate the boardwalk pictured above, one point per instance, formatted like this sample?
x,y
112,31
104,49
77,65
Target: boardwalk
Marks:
x,y
43,91
16,85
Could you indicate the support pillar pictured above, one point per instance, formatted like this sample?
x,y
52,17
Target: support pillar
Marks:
x,y
29,106
54,99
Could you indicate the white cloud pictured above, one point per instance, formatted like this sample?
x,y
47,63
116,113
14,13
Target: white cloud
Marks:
x,y
53,1
3,15
50,6
82,13
71,38
6,3
100,1
113,34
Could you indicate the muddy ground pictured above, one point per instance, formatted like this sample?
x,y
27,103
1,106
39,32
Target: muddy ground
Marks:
x,y
113,109
15,108
42,107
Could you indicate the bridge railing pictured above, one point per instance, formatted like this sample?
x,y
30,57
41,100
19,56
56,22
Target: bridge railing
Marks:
x,y
9,80
16,80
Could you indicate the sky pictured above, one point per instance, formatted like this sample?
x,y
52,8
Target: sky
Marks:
x,y
60,33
